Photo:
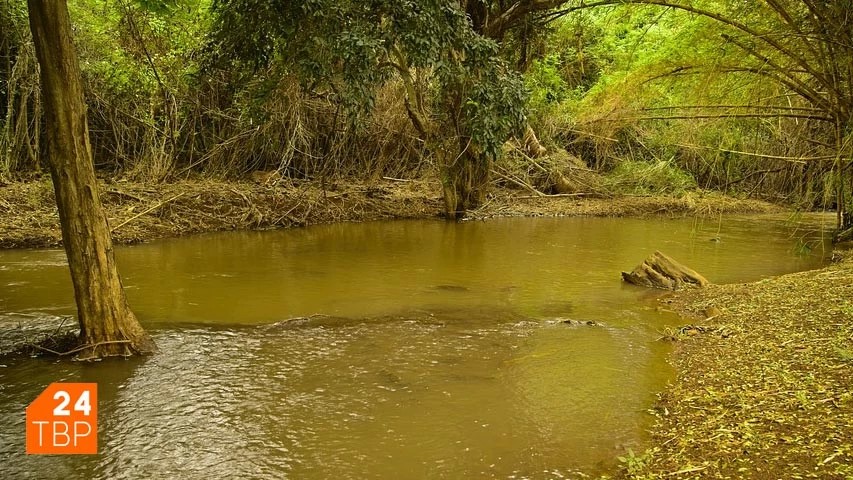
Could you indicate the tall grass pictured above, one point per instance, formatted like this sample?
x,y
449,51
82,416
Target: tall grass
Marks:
x,y
644,178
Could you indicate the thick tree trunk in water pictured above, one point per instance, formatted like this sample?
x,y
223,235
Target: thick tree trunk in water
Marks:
x,y
106,321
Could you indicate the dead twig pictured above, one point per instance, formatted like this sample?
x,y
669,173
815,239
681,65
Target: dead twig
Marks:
x,y
685,470
55,332
80,348
556,195
125,194
164,202
253,210
799,160
244,197
518,182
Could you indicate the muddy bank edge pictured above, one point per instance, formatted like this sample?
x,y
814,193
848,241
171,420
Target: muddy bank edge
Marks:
x,y
764,391
141,212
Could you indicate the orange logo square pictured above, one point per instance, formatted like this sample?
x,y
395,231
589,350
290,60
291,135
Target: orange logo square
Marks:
x,y
63,420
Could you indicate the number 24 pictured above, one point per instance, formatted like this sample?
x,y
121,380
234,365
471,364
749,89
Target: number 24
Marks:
x,y
81,405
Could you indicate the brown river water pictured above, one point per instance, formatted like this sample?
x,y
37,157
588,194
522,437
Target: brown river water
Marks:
x,y
426,349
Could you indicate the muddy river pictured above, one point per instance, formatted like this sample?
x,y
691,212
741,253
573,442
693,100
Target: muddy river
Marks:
x,y
420,349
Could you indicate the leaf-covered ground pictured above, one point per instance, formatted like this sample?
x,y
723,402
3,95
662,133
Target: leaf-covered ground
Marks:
x,y
765,385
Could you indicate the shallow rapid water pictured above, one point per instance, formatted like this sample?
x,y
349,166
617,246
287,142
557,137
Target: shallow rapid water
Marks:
x,y
426,349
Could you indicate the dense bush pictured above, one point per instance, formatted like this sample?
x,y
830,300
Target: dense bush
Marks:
x,y
735,95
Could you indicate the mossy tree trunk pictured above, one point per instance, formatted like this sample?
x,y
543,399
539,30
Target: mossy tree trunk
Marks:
x,y
106,321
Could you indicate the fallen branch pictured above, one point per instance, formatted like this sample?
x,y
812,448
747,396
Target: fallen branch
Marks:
x,y
685,470
718,116
760,155
530,159
243,196
556,195
56,332
253,211
750,175
755,107
124,194
145,211
80,348
520,183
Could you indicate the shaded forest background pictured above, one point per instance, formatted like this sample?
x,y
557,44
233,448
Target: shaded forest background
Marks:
x,y
636,97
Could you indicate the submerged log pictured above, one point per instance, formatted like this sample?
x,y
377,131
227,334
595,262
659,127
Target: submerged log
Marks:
x,y
661,271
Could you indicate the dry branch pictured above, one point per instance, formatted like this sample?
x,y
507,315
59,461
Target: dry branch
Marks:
x,y
717,116
755,107
80,348
146,211
518,182
556,195
761,155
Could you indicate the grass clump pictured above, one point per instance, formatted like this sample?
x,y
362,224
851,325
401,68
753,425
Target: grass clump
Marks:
x,y
649,178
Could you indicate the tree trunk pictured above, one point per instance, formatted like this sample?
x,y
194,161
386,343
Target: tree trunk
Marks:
x,y
661,271
106,323
465,177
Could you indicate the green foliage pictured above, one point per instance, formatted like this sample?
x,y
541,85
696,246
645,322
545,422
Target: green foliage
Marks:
x,y
349,49
546,84
122,44
709,57
160,7
344,47
485,97
636,465
191,80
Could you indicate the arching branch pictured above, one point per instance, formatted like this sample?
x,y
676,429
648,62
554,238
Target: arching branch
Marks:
x,y
801,61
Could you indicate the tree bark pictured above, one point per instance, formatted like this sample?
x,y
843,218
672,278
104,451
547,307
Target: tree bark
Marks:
x,y
661,271
465,177
107,324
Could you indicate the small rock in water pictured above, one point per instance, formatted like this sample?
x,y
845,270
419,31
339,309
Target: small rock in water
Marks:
x,y
451,288
569,321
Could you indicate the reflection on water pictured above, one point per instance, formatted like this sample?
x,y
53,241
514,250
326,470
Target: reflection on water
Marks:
x,y
427,349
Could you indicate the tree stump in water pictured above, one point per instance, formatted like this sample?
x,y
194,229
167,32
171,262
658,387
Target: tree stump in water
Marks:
x,y
661,271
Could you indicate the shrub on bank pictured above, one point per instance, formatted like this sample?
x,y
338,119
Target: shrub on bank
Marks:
x,y
648,178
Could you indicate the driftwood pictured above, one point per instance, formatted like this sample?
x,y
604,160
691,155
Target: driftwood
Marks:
x,y
844,236
661,271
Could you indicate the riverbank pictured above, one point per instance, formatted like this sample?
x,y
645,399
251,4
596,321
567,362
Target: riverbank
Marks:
x,y
764,382
140,212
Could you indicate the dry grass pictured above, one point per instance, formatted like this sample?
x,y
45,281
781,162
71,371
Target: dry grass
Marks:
x,y
766,391
139,212
508,203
